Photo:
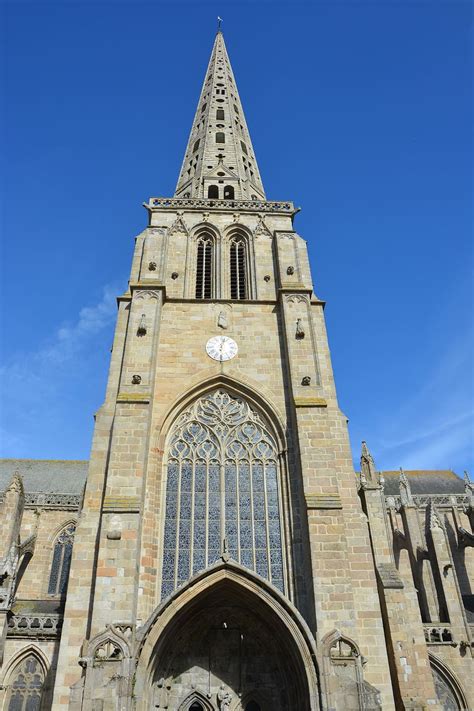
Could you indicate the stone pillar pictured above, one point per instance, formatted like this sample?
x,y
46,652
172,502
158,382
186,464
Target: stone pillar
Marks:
x,y
344,583
446,575
11,514
418,550
404,632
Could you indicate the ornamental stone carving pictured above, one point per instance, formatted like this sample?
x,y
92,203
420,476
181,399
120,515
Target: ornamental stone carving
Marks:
x,y
296,299
261,228
179,225
146,294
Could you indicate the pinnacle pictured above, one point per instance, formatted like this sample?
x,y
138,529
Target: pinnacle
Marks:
x,y
219,162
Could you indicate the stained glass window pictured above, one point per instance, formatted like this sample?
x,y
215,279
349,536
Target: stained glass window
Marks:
x,y
222,484
444,692
61,561
26,686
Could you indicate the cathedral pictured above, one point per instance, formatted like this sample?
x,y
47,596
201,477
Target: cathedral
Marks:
x,y
219,552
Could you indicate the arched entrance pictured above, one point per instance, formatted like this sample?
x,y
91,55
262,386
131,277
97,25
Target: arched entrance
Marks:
x,y
224,640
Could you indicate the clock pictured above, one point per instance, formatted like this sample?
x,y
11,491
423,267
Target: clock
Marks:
x,y
221,348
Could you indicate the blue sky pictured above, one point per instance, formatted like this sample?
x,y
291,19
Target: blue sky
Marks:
x,y
360,112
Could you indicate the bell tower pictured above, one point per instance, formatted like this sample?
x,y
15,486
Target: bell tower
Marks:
x,y
222,558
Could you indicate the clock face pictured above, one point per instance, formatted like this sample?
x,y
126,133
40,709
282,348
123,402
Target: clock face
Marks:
x,y
221,348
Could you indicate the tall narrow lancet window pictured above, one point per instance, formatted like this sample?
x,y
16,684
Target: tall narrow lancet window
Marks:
x,y
61,561
213,192
204,265
238,268
229,192
222,484
26,685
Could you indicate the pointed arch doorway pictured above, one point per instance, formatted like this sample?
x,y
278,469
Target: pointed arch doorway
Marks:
x,y
227,642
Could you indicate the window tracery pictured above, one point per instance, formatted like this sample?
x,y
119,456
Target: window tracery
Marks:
x,y
61,561
222,483
26,686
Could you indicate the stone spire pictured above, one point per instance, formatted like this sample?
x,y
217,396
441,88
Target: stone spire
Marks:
x,y
219,161
406,496
368,475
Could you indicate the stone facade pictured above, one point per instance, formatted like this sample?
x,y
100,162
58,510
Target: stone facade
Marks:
x,y
226,556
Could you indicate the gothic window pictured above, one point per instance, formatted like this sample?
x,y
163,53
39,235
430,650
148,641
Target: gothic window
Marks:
x,y
238,263
220,115
196,706
26,685
196,145
229,192
61,561
205,247
252,706
213,192
220,137
244,147
447,696
222,483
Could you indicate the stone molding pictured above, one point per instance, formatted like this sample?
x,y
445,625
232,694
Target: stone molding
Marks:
x,y
36,626
310,402
134,397
120,504
423,500
160,203
323,501
43,500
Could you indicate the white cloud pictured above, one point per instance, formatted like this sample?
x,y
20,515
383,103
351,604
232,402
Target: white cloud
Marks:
x,y
39,388
432,429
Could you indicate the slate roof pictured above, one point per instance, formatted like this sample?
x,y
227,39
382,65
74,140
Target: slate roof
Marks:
x,y
59,476
434,481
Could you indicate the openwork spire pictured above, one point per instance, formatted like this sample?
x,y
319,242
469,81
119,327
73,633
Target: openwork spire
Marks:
x,y
220,162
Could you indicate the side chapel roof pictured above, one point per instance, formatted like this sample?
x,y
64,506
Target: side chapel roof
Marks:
x,y
61,476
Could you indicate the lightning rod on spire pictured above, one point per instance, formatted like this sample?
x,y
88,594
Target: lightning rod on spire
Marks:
x,y
219,23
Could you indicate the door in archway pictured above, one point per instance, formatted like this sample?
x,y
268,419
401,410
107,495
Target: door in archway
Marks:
x,y
226,654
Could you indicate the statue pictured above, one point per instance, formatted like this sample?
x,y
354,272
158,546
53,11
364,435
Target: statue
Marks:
x,y
224,698
299,329
222,320
141,330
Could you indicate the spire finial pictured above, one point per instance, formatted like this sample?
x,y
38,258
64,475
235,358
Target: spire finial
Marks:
x,y
368,474
219,24
406,496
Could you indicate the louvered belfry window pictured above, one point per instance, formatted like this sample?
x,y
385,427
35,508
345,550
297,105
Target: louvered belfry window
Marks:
x,y
204,268
61,561
238,269
222,485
